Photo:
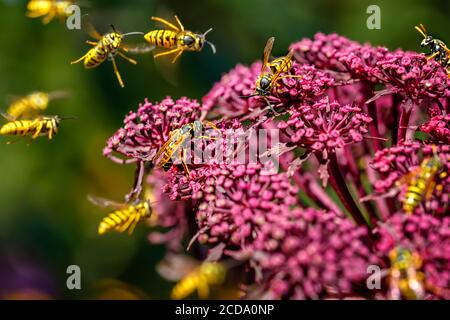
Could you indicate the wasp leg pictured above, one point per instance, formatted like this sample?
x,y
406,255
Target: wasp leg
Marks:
x,y
433,55
34,14
290,76
177,56
179,23
48,18
203,290
38,130
167,23
183,162
116,72
92,43
165,53
79,60
126,58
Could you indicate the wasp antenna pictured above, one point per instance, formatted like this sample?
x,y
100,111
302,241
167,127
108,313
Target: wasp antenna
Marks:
x,y
421,31
207,31
213,47
249,96
113,28
67,118
132,34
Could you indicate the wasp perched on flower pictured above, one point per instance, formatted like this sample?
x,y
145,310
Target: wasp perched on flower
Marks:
x,y
106,47
422,182
271,71
49,9
438,49
176,40
125,217
40,126
405,279
32,104
164,157
192,275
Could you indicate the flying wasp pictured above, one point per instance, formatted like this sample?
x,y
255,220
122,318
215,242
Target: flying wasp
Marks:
x,y
192,275
421,182
106,47
271,71
49,9
177,40
405,279
125,216
30,105
438,49
41,126
164,157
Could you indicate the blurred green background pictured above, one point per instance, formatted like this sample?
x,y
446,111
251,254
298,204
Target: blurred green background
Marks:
x,y
46,223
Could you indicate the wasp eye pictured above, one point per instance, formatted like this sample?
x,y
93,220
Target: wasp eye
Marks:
x,y
188,40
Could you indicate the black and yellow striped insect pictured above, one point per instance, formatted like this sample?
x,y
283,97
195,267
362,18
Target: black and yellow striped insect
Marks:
x,y
125,216
106,47
49,9
177,40
31,105
40,126
438,49
406,281
164,158
421,182
271,72
192,275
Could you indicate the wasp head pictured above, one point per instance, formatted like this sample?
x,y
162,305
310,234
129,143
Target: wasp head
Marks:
x,y
427,41
195,42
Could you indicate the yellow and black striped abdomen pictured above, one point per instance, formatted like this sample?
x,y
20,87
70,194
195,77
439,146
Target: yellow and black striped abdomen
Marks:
x,y
18,108
162,38
96,56
126,219
18,128
186,286
280,65
415,194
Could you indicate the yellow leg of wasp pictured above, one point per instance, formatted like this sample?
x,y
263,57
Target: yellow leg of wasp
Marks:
x,y
116,72
183,162
290,76
49,17
165,53
126,58
177,56
38,130
167,23
92,43
79,60
179,23
433,55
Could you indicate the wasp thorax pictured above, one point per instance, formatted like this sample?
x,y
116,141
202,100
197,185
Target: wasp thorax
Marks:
x,y
40,100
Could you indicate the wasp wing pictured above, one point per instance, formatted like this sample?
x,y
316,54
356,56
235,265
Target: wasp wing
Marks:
x,y
89,28
105,203
175,267
267,51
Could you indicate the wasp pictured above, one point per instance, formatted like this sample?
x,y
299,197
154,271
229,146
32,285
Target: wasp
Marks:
x,y
405,279
438,49
49,9
177,40
271,71
125,217
422,182
164,157
32,104
41,126
106,47
192,275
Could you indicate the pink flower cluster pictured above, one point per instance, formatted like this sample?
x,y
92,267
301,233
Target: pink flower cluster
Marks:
x,y
352,115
